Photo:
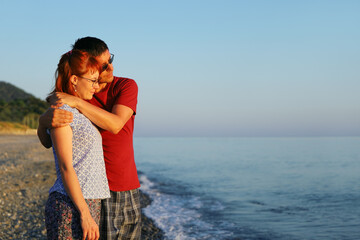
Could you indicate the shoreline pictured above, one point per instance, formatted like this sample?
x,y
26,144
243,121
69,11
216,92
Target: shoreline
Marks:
x,y
26,174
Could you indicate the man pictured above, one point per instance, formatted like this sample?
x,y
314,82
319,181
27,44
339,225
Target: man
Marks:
x,y
113,110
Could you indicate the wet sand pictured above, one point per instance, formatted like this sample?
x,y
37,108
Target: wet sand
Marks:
x,y
27,172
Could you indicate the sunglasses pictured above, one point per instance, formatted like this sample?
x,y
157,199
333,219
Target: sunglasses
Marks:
x,y
105,66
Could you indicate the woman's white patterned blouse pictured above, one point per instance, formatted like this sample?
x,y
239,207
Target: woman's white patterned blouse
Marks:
x,y
88,159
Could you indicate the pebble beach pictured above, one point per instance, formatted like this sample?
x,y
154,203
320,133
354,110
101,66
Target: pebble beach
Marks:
x,y
27,172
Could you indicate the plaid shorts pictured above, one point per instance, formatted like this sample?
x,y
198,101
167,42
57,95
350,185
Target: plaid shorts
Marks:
x,y
121,216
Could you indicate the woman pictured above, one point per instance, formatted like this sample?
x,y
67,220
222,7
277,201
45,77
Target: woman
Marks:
x,y
73,207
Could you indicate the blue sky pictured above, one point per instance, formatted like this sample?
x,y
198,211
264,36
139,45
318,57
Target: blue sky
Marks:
x,y
205,68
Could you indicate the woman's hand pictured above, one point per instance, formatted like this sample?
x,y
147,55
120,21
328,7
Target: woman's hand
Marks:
x,y
62,142
89,227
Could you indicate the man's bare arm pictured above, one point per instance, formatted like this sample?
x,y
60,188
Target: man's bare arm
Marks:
x,y
44,138
52,118
111,121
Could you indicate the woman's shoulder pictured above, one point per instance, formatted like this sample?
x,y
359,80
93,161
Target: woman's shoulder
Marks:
x,y
68,108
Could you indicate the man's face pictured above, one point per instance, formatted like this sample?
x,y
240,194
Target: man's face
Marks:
x,y
107,75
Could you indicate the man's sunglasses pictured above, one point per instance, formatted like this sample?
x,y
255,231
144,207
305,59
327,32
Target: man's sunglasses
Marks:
x,y
105,66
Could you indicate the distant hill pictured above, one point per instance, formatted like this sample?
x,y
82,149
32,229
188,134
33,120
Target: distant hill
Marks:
x,y
18,106
9,92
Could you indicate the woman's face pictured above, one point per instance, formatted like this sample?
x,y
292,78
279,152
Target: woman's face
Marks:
x,y
87,84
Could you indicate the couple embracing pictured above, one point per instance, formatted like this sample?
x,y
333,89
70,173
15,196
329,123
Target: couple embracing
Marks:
x,y
90,128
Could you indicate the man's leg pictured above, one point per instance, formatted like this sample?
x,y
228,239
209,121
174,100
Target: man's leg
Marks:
x,y
121,216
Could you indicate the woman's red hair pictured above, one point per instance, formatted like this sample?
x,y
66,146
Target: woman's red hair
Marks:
x,y
77,63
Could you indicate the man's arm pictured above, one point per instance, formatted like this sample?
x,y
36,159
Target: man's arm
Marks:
x,y
44,138
52,118
112,121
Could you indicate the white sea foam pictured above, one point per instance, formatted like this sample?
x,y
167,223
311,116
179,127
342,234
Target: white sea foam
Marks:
x,y
178,216
253,188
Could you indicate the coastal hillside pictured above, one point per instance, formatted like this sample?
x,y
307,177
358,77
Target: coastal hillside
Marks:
x,y
9,92
18,106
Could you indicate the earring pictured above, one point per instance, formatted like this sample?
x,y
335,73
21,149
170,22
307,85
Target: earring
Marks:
x,y
74,88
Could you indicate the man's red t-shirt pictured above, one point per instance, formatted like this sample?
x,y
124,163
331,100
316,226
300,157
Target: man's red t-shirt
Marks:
x,y
118,148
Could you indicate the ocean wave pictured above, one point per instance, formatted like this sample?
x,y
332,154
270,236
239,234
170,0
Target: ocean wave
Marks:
x,y
181,216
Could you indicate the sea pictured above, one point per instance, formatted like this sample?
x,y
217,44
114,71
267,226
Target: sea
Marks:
x,y
252,188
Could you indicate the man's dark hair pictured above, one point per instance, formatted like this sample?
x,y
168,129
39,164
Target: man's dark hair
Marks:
x,y
91,45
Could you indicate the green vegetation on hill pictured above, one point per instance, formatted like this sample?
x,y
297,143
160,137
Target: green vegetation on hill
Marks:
x,y
17,106
9,92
